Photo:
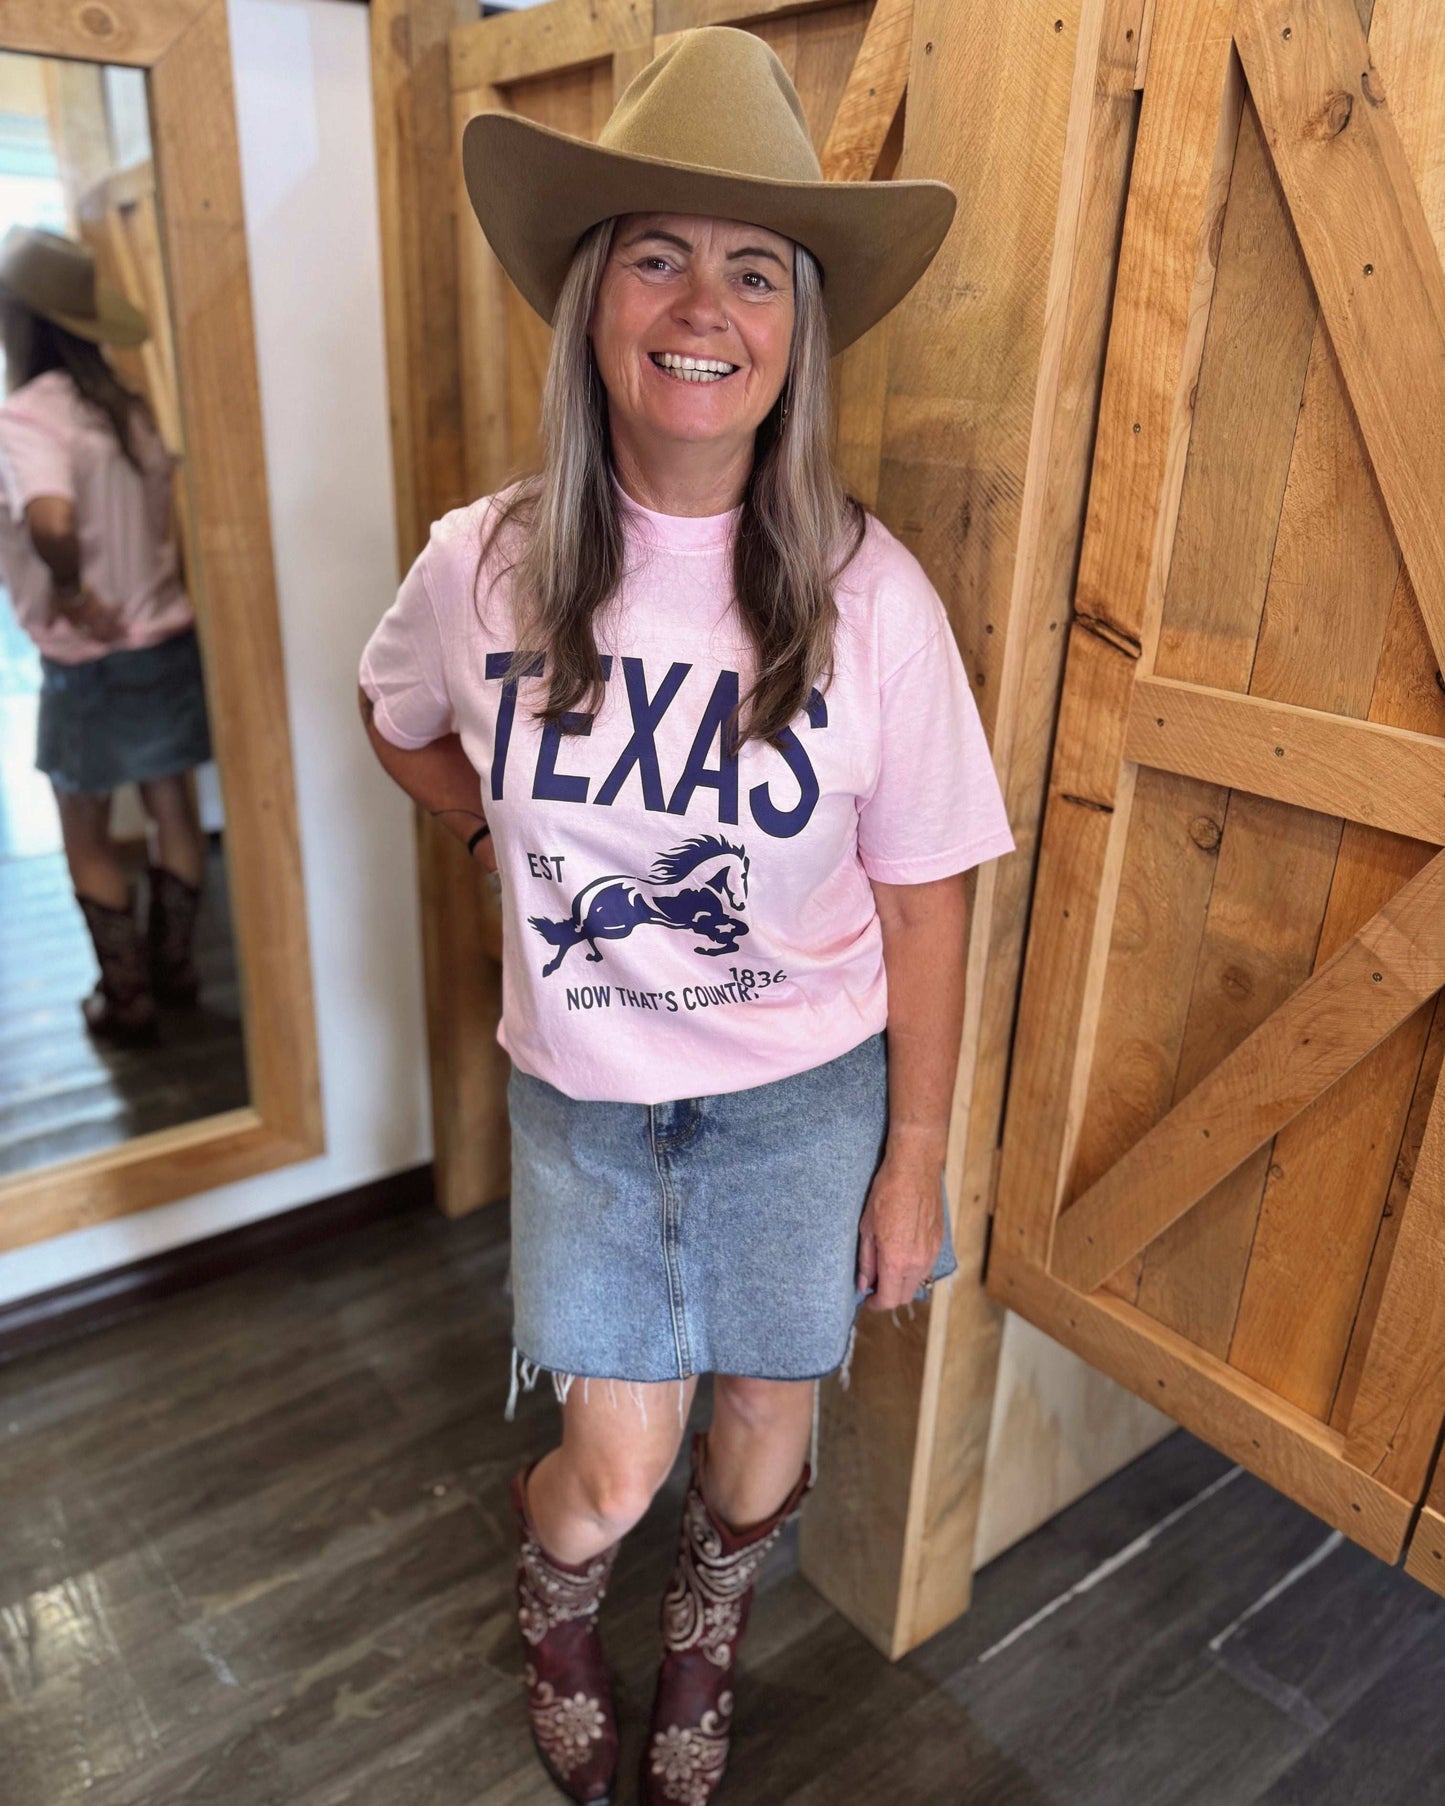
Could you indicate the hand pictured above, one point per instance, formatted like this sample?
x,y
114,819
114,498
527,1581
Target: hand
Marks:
x,y
900,1231
96,619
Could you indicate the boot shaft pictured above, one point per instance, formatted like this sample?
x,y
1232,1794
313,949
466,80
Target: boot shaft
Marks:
x,y
122,1005
710,1593
170,933
705,1613
569,1690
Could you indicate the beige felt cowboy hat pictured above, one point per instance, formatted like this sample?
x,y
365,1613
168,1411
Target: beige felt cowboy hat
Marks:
x,y
55,278
711,126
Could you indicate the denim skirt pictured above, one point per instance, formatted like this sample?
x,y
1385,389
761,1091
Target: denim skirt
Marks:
x,y
136,713
709,1234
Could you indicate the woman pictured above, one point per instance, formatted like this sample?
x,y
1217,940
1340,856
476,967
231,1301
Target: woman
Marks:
x,y
717,1155
88,556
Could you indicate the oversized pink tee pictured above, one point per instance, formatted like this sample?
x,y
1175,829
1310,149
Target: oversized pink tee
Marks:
x,y
53,443
676,923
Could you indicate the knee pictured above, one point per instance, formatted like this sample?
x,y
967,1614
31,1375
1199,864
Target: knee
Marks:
x,y
758,1404
618,1492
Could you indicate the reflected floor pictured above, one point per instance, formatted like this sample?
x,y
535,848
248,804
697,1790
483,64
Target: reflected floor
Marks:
x,y
64,1094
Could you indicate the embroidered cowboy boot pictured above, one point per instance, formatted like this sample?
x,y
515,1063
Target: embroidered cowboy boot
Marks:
x,y
170,929
569,1690
704,1614
121,1007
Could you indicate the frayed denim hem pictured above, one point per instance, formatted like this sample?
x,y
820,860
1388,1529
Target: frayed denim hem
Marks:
x,y
525,1373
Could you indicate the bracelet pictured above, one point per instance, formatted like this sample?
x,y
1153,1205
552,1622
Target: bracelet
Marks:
x,y
484,829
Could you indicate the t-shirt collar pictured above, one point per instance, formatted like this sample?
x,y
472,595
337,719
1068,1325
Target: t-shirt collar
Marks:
x,y
677,532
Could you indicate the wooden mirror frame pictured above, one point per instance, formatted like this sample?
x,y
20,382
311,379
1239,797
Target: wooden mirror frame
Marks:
x,y
184,48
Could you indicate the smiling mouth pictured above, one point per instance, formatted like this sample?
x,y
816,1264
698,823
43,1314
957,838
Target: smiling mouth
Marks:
x,y
692,369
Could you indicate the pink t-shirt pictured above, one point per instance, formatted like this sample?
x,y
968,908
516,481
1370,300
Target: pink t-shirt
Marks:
x,y
676,924
53,443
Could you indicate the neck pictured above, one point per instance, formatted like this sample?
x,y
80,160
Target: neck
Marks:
x,y
682,477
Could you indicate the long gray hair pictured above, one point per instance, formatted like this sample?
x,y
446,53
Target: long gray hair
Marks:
x,y
798,530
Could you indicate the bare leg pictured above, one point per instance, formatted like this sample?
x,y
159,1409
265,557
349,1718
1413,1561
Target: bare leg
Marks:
x,y
756,1445
180,844
95,869
599,1482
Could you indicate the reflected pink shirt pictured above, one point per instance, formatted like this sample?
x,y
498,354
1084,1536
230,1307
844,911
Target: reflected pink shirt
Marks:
x,y
53,443
677,923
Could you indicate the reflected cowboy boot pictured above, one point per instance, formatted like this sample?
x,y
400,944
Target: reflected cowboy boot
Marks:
x,y
569,1690
704,1614
122,1006
170,929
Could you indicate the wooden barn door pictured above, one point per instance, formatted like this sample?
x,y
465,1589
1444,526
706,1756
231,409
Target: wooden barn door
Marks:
x,y
1223,1171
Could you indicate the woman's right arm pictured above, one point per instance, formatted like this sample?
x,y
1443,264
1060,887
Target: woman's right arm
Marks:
x,y
440,777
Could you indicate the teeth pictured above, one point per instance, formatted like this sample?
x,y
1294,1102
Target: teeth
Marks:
x,y
693,369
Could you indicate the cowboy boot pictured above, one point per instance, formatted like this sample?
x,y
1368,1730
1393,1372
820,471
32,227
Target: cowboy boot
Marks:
x,y
704,1614
569,1690
122,1006
170,929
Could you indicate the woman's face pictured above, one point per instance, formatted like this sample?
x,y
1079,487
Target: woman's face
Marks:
x,y
680,286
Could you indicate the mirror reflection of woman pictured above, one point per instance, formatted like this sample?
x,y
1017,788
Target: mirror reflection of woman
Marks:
x,y
90,558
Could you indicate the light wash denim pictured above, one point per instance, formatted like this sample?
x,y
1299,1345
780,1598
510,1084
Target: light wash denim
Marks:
x,y
711,1234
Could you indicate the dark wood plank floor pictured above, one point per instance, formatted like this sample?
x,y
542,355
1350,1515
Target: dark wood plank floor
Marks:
x,y
63,1093
255,1550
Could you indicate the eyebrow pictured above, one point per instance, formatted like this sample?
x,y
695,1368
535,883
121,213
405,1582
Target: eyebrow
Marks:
x,y
683,245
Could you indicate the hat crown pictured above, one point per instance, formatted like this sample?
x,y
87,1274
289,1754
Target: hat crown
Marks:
x,y
719,98
48,271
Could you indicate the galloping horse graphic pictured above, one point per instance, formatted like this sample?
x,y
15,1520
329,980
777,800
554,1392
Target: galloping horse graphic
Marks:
x,y
675,894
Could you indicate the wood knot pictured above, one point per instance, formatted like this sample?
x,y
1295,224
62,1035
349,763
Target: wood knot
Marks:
x,y
1237,981
1333,116
99,21
1205,833
1371,86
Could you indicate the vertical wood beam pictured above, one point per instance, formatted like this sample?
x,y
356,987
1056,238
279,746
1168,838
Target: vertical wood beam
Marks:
x,y
419,192
889,1538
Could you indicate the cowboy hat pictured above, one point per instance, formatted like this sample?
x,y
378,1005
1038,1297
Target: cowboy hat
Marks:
x,y
713,125
55,278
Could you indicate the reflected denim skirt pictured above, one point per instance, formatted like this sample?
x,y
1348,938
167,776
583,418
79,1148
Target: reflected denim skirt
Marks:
x,y
132,714
710,1234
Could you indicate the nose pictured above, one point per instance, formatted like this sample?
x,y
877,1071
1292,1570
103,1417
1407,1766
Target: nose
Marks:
x,y
700,304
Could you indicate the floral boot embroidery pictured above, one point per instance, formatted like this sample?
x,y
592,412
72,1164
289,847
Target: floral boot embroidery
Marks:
x,y
704,1614
569,1691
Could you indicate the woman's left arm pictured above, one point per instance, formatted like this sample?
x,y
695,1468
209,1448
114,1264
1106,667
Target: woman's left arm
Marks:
x,y
925,929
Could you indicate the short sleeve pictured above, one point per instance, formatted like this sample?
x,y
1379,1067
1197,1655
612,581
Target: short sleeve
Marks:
x,y
936,807
403,666
34,461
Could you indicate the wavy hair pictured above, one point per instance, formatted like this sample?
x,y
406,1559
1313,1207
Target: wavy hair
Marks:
x,y
34,345
798,529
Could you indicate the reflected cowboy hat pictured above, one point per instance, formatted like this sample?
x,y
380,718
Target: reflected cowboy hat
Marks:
x,y
55,278
711,126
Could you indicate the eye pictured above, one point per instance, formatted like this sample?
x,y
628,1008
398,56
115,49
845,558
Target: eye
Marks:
x,y
766,287
653,257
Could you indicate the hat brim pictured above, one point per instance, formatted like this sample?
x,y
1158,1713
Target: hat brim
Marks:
x,y
536,190
115,321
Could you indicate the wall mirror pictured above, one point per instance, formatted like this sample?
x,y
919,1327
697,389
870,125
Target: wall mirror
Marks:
x,y
157,1031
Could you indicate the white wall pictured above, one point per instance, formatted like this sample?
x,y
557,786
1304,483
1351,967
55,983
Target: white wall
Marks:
x,y
303,97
